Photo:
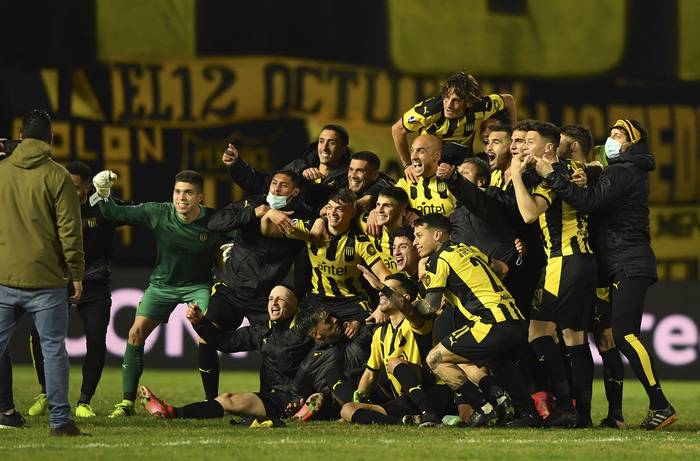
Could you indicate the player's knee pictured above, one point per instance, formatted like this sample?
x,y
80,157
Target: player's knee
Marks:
x,y
393,363
347,411
605,341
573,337
434,358
227,400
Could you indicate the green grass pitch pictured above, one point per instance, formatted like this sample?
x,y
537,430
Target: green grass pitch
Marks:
x,y
141,437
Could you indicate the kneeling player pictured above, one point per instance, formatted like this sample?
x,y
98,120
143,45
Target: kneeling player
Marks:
x,y
282,349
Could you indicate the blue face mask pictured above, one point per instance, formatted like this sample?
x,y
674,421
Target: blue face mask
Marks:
x,y
612,148
277,201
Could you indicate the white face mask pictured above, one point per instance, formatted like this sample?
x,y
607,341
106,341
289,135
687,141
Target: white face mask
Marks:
x,y
277,201
612,148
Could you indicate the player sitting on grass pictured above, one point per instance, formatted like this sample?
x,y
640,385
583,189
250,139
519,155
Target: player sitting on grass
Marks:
x,y
282,349
399,347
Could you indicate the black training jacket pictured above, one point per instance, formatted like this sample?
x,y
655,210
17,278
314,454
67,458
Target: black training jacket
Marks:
x,y
327,361
280,343
621,195
256,263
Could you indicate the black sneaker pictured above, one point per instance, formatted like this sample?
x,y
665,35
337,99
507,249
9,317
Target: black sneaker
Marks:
x,y
67,430
561,419
658,419
429,419
504,409
525,421
479,419
612,423
15,420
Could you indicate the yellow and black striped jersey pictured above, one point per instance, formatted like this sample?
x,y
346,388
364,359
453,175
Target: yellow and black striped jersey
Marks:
x,y
463,275
563,228
497,180
334,270
428,117
429,195
403,341
382,244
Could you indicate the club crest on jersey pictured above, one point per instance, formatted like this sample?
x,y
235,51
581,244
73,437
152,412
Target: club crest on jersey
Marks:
x,y
203,236
371,250
349,252
442,187
425,279
92,223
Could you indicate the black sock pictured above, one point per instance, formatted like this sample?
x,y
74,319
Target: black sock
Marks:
x,y
411,384
365,416
470,394
516,383
209,370
84,398
201,410
613,376
547,350
490,388
641,363
582,375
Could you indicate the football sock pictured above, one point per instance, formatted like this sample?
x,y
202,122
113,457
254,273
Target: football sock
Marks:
x,y
548,351
470,394
132,368
411,383
582,375
613,377
200,410
209,370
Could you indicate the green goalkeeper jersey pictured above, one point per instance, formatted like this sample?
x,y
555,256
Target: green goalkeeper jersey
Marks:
x,y
186,252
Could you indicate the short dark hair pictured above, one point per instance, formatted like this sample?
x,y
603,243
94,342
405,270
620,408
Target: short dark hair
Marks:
x,y
293,176
408,285
503,129
369,157
343,196
434,221
191,177
482,168
464,85
547,130
581,134
406,232
310,318
80,169
502,117
36,124
395,193
523,125
344,136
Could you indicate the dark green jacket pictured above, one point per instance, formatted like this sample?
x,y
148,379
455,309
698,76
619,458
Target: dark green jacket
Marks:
x,y
41,240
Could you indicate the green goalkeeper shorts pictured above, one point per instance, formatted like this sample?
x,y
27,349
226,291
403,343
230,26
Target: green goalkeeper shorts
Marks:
x,y
159,302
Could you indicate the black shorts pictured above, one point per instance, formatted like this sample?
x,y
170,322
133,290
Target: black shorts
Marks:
x,y
566,292
346,309
602,311
483,344
227,310
440,397
275,403
449,320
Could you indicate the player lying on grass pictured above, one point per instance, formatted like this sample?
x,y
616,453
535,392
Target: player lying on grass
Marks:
x,y
282,349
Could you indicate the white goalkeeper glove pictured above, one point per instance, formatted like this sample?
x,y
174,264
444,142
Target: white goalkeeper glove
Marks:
x,y
103,185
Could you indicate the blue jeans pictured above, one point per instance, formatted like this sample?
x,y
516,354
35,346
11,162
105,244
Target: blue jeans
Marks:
x,y
49,310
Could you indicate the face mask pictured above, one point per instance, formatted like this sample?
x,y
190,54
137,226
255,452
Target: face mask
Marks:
x,y
612,148
277,201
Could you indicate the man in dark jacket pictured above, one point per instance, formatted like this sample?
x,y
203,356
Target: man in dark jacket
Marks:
x,y
622,197
282,349
253,265
40,242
